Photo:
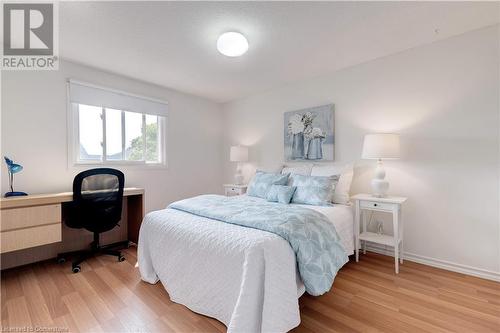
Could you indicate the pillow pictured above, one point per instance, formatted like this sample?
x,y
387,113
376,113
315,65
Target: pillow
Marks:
x,y
270,168
313,190
262,181
281,193
304,169
343,187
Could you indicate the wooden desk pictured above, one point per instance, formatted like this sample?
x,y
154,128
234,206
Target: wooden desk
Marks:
x,y
32,227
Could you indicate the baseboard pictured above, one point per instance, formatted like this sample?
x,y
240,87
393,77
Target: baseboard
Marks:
x,y
450,266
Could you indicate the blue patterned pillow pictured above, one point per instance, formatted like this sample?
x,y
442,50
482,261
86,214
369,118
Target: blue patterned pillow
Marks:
x,y
314,190
281,193
262,182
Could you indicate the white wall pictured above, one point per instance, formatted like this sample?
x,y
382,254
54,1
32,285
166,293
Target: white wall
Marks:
x,y
34,133
443,98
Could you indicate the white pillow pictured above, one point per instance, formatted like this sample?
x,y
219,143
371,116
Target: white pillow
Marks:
x,y
303,169
273,168
343,188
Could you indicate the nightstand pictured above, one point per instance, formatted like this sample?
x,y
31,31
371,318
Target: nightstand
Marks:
x,y
366,202
233,189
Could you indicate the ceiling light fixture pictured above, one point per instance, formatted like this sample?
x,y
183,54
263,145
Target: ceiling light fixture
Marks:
x,y
232,44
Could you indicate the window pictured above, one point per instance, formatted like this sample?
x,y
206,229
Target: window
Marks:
x,y
108,129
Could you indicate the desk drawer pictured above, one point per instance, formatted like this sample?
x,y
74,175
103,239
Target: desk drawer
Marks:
x,y
19,239
376,205
25,217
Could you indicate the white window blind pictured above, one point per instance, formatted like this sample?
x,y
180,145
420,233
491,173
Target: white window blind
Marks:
x,y
85,93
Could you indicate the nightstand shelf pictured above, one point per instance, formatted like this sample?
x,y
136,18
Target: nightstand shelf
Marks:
x,y
392,205
377,238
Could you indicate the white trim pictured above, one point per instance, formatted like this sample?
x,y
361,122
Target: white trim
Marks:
x,y
70,131
163,122
122,119
120,164
448,265
116,91
498,160
104,142
143,129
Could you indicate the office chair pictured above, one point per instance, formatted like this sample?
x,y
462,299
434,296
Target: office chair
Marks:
x,y
97,207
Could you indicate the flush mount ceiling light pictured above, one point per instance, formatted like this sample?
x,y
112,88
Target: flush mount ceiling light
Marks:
x,y
232,44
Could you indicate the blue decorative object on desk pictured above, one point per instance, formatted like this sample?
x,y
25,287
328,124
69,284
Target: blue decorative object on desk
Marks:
x,y
13,168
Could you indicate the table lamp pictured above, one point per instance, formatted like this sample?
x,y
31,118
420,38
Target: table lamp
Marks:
x,y
238,154
381,146
13,168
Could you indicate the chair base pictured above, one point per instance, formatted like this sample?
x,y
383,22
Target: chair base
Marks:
x,y
95,249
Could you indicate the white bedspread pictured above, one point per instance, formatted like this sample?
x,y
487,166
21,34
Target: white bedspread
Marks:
x,y
244,277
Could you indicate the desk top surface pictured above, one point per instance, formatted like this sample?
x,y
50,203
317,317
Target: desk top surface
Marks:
x,y
52,198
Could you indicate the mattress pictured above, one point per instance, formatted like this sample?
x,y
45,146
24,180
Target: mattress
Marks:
x,y
341,216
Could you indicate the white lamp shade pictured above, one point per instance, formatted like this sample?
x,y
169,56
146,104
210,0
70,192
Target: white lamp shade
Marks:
x,y
381,146
238,154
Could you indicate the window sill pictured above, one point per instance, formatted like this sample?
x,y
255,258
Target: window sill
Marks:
x,y
121,164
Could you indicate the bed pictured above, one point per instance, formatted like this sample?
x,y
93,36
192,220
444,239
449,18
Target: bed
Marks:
x,y
245,277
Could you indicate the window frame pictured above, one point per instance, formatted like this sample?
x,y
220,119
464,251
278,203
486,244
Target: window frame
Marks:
x,y
74,140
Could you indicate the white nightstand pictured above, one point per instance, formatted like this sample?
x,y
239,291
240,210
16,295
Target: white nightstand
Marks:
x,y
367,202
233,189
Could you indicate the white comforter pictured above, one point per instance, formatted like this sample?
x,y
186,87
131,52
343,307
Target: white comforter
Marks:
x,y
244,277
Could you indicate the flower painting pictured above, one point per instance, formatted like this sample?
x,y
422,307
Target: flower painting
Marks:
x,y
309,134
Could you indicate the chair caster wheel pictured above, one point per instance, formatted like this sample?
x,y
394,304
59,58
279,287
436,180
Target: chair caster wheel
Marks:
x,y
61,260
76,269
121,258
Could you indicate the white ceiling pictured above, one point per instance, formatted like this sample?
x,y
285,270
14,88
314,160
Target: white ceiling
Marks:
x,y
173,43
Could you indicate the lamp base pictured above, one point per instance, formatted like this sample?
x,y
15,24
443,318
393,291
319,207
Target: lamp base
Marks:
x,y
238,179
379,184
238,176
14,194
379,187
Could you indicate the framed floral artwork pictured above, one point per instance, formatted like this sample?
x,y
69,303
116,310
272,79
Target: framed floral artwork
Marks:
x,y
309,134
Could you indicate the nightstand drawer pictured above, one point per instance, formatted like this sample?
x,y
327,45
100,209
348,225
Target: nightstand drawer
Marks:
x,y
376,205
234,191
231,190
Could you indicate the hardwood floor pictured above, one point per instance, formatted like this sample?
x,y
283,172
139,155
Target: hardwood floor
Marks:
x,y
108,296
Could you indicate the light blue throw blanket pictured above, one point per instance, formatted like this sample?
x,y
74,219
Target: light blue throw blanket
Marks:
x,y
312,237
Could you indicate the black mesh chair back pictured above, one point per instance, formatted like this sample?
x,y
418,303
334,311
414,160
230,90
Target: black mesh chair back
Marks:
x,y
97,199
